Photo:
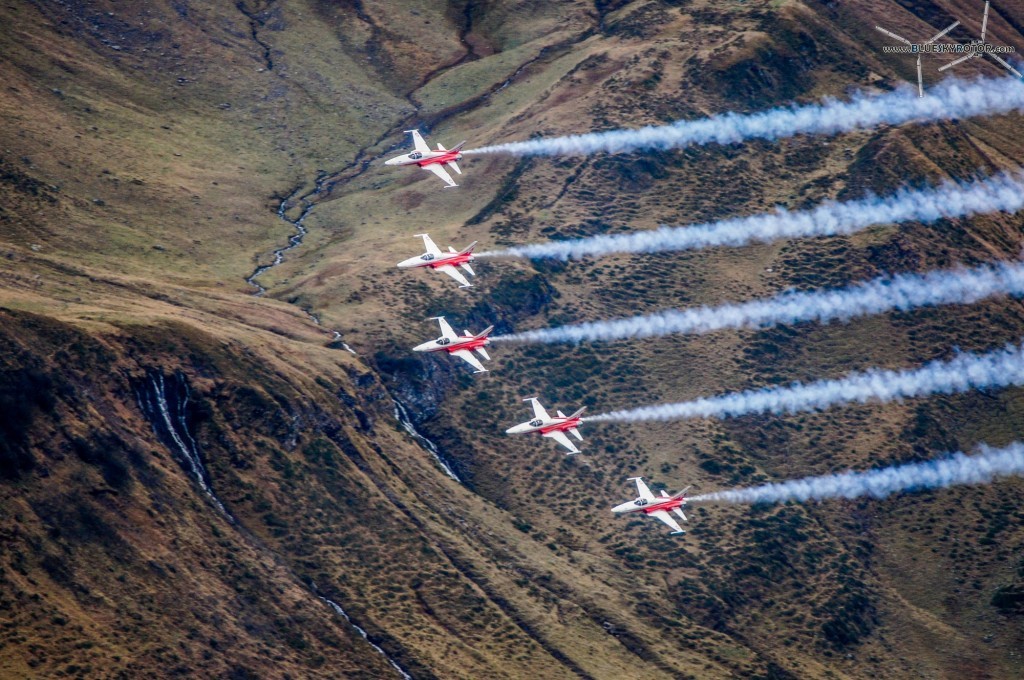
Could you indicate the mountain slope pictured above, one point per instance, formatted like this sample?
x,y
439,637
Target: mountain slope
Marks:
x,y
189,469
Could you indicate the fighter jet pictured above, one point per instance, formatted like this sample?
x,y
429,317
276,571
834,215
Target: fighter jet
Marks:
x,y
657,506
443,262
551,427
431,160
459,345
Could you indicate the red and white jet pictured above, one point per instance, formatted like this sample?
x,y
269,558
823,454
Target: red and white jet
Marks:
x,y
551,427
459,345
443,262
433,161
656,506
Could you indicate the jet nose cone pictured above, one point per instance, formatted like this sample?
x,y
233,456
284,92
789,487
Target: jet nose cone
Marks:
x,y
515,429
619,509
423,347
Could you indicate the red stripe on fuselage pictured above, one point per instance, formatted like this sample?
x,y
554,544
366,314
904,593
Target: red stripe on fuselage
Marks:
x,y
446,158
567,425
453,260
667,504
469,344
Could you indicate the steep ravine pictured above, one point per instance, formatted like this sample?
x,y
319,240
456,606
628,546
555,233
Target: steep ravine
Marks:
x,y
325,182
165,403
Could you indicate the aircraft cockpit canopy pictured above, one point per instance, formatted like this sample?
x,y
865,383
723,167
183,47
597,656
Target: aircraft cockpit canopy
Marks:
x,y
415,155
427,257
536,423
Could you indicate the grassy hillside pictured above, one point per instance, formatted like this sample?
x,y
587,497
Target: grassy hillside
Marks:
x,y
145,154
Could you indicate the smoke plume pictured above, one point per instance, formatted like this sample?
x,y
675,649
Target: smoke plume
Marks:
x,y
956,469
951,99
903,293
948,200
965,372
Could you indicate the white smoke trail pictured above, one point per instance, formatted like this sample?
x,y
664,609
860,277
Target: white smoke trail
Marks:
x,y
903,292
948,200
965,372
956,469
951,99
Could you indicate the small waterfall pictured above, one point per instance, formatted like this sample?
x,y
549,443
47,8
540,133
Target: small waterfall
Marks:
x,y
336,336
169,418
341,612
403,417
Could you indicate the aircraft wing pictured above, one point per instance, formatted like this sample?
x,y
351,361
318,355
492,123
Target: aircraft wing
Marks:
x,y
454,273
442,173
446,329
560,437
667,519
418,142
468,357
642,489
429,244
539,411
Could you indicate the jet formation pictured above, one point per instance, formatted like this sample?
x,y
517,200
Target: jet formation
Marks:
x,y
463,346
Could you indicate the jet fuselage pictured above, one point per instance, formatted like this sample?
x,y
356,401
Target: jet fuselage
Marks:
x,y
543,426
425,158
434,261
648,506
452,345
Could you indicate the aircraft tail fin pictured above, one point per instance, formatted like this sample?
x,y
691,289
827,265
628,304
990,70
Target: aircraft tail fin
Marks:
x,y
578,413
484,333
469,248
458,147
682,493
